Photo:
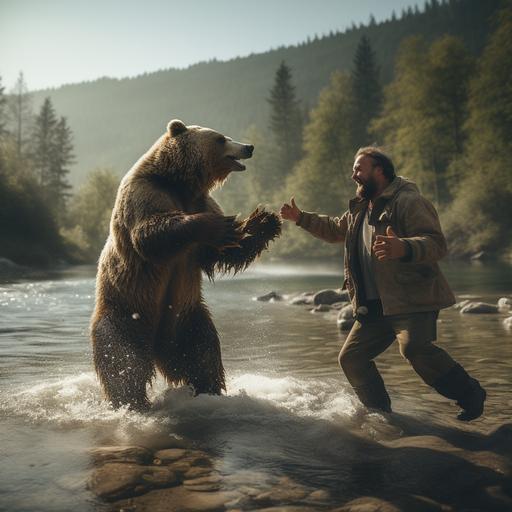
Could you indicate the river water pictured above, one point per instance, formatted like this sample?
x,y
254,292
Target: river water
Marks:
x,y
288,408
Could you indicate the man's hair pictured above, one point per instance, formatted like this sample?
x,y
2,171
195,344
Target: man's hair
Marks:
x,y
380,159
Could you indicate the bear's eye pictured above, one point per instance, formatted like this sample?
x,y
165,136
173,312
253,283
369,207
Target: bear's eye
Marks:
x,y
221,140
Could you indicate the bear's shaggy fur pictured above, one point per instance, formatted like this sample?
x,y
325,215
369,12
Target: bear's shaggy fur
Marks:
x,y
165,230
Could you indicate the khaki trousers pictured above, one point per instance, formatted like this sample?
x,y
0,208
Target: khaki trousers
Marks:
x,y
415,333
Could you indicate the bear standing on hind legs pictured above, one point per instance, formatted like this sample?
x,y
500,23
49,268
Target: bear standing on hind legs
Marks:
x,y
165,230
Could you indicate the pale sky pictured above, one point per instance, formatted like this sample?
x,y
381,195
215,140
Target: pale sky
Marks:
x,y
55,42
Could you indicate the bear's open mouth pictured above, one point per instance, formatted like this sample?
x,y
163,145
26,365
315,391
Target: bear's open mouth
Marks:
x,y
236,164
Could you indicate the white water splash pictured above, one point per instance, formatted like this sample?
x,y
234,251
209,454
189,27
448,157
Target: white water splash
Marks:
x,y
75,401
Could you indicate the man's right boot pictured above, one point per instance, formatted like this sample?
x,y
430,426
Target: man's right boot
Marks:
x,y
456,384
374,395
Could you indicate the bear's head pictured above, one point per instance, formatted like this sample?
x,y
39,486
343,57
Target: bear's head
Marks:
x,y
199,157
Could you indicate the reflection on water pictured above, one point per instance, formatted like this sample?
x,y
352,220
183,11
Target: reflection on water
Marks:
x,y
285,391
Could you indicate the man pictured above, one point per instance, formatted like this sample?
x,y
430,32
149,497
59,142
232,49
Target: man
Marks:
x,y
393,241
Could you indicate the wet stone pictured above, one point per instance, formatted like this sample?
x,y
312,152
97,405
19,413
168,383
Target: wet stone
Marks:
x,y
479,308
505,303
133,454
461,304
345,319
289,508
197,472
329,297
169,455
178,499
281,494
189,461
401,504
207,483
319,495
321,308
271,296
113,481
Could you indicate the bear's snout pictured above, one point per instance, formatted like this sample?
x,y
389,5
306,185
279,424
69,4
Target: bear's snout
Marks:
x,y
248,149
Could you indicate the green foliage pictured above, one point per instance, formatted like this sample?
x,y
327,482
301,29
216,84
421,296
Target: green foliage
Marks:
x,y
20,106
28,233
446,122
243,191
115,121
3,114
51,152
424,110
285,124
89,214
321,180
480,216
367,91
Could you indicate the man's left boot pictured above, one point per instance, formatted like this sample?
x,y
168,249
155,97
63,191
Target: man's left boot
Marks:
x,y
456,384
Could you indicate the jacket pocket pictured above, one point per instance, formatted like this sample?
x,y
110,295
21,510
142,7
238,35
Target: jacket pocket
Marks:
x,y
416,274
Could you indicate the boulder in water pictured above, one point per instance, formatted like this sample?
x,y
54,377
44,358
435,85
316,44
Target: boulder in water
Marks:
x,y
304,299
475,308
330,297
133,454
461,304
346,318
114,481
321,308
480,256
270,296
505,303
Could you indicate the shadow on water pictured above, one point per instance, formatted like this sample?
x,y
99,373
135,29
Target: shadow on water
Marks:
x,y
245,433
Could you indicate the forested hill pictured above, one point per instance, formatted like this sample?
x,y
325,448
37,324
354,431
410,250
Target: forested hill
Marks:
x,y
114,121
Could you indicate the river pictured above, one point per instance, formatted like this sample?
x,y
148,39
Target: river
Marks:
x,y
288,408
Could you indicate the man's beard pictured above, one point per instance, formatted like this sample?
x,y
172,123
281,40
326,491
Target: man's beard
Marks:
x,y
367,190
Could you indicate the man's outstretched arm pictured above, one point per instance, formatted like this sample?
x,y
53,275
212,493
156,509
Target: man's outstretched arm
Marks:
x,y
329,229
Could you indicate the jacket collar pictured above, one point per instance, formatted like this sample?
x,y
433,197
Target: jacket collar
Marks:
x,y
357,203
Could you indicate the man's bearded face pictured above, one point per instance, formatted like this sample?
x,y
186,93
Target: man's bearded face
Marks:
x,y
366,188
363,175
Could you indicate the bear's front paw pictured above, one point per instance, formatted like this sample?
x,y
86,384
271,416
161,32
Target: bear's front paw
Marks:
x,y
263,224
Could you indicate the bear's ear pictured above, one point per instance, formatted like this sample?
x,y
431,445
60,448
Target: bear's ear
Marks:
x,y
175,127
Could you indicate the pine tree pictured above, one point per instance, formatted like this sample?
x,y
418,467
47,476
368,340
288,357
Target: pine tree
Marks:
x,y
43,142
21,113
367,91
61,158
424,110
285,122
3,113
52,153
480,216
321,180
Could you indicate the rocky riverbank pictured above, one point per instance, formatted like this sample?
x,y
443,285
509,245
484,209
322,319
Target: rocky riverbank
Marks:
x,y
336,303
446,471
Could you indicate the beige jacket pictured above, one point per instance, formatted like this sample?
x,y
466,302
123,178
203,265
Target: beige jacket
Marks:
x,y
410,286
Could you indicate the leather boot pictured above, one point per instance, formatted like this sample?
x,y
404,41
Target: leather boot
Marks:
x,y
457,385
374,395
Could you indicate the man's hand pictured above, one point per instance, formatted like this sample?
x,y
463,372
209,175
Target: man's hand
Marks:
x,y
389,247
290,211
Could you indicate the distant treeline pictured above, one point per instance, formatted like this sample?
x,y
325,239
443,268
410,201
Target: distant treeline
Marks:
x,y
442,109
116,120
445,118
41,223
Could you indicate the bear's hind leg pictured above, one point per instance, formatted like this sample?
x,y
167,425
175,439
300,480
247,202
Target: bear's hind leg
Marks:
x,y
194,356
123,361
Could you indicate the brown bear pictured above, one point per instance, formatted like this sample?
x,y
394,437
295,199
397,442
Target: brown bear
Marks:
x,y
165,231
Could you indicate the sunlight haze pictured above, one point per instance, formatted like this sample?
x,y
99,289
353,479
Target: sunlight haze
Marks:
x,y
58,42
